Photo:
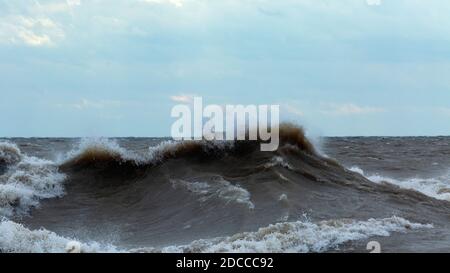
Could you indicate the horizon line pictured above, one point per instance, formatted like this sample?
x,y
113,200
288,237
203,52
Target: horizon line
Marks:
x,y
325,136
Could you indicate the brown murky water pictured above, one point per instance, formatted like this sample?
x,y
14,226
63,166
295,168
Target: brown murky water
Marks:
x,y
230,196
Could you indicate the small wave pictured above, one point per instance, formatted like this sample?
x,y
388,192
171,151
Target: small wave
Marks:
x,y
278,161
24,184
217,188
294,237
283,198
438,188
15,238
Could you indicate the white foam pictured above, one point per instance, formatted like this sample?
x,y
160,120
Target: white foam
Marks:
x,y
278,161
25,183
9,153
300,236
438,188
282,177
357,169
16,238
218,188
283,198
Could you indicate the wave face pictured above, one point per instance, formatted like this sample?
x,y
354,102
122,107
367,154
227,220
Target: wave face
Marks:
x,y
156,195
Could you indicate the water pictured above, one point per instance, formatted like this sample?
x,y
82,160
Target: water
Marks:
x,y
152,195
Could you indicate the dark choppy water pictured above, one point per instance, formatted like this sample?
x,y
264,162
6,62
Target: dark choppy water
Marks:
x,y
119,195
396,157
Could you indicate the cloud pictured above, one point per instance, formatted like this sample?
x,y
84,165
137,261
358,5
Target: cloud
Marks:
x,y
33,39
31,31
53,7
34,23
291,109
373,2
176,3
350,109
92,104
183,98
444,111
72,3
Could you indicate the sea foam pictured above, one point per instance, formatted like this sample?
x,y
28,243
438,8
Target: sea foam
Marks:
x,y
295,237
438,188
26,181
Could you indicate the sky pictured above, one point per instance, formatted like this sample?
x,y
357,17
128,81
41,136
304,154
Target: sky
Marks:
x,y
74,68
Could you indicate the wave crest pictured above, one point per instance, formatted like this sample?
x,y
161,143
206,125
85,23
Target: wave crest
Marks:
x,y
28,181
103,151
294,237
16,238
9,154
94,150
438,188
